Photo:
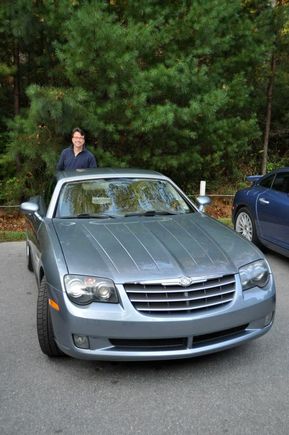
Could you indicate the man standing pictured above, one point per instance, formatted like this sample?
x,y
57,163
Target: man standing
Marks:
x,y
76,156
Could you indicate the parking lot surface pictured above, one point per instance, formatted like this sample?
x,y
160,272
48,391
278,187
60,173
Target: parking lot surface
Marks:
x,y
241,391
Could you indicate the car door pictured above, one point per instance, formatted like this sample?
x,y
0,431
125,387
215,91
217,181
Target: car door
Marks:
x,y
272,211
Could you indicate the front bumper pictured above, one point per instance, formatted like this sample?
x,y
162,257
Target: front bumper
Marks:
x,y
119,332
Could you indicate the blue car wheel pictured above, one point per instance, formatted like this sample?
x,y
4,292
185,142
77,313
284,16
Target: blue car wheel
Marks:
x,y
245,225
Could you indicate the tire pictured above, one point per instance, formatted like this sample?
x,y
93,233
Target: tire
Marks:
x,y
244,224
44,324
29,259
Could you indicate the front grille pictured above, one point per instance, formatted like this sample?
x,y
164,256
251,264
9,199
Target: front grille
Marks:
x,y
167,344
220,335
174,299
150,344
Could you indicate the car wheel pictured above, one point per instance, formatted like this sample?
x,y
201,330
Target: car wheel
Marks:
x,y
245,225
29,259
44,324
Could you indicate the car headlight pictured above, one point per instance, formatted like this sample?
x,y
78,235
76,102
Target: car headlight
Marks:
x,y
254,274
86,289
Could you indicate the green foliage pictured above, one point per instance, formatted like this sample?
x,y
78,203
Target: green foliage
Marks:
x,y
163,93
277,162
174,86
12,236
11,190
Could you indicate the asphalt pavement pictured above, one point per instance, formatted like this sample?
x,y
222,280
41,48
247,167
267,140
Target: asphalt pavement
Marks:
x,y
240,391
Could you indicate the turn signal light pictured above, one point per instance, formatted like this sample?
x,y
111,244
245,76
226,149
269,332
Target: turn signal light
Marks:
x,y
53,305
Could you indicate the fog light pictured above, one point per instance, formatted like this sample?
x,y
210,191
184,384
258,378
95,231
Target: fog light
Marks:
x,y
268,319
81,341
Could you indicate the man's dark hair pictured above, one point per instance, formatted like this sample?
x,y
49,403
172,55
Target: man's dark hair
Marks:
x,y
77,130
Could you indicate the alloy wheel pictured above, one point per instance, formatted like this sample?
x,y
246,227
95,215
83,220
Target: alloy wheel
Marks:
x,y
244,226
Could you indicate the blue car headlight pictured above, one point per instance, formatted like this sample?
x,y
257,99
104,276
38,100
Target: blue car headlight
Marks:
x,y
255,274
86,289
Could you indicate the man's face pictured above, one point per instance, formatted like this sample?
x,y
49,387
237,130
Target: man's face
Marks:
x,y
77,141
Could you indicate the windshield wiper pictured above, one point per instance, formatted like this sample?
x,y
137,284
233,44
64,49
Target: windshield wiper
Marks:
x,y
95,216
89,216
151,213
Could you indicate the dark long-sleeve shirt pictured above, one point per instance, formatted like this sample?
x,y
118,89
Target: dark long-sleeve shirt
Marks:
x,y
85,159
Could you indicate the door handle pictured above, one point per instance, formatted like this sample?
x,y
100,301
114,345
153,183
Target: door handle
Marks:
x,y
264,201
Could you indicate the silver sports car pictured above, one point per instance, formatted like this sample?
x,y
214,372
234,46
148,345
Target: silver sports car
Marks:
x,y
128,268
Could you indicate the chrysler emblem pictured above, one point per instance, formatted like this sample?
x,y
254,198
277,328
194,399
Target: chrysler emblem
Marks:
x,y
185,281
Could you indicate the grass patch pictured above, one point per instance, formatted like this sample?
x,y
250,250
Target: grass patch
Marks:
x,y
226,221
12,236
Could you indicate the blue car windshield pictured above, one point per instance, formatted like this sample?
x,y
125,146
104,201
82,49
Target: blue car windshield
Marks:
x,y
120,197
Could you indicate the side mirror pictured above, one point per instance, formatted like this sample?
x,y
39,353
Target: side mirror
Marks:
x,y
203,201
29,207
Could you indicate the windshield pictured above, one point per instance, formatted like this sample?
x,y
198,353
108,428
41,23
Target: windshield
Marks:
x,y
119,197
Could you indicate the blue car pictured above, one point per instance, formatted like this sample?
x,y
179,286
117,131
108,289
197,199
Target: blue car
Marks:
x,y
261,212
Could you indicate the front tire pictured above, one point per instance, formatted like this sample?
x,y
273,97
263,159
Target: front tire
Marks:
x,y
245,225
44,324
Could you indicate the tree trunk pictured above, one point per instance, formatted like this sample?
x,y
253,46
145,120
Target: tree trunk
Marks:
x,y
269,113
16,92
16,80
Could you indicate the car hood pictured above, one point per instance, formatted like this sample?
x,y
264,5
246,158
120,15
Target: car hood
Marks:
x,y
135,249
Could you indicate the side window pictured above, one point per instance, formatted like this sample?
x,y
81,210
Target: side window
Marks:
x,y
281,182
267,182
